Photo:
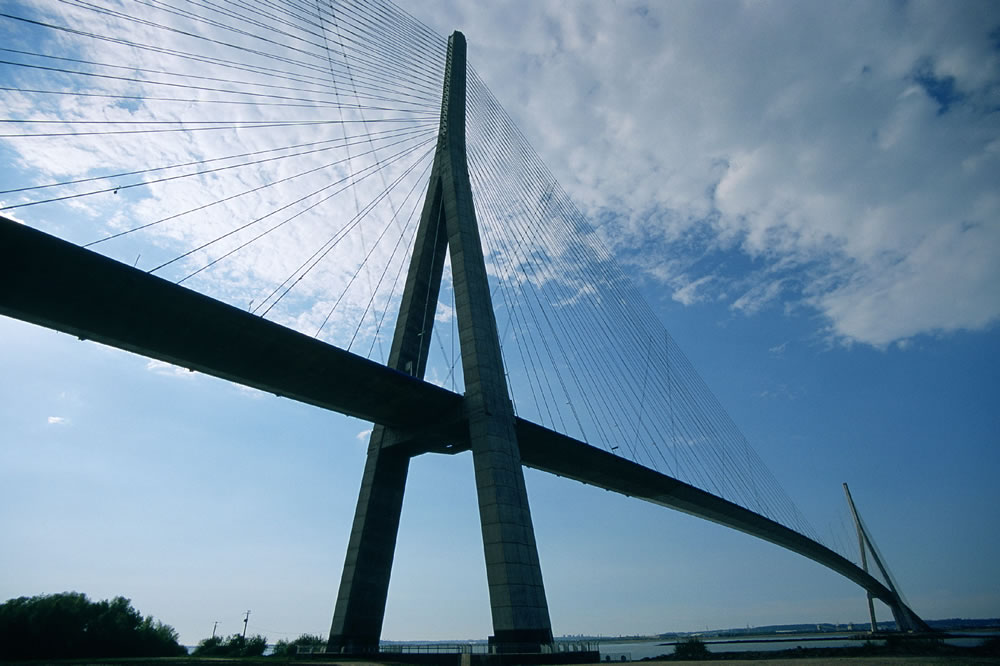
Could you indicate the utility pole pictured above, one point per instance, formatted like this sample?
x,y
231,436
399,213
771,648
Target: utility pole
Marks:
x,y
214,627
245,620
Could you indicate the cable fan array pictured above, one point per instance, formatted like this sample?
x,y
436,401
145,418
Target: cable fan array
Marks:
x,y
271,155
275,155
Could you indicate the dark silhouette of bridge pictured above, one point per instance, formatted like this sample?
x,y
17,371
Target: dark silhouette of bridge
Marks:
x,y
59,285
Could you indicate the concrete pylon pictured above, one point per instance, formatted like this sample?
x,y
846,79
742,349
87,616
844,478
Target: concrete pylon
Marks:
x,y
448,223
864,555
906,619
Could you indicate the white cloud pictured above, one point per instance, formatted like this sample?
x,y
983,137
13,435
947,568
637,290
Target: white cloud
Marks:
x,y
758,296
444,313
250,392
940,286
851,149
363,435
779,391
58,420
10,214
691,292
692,131
167,369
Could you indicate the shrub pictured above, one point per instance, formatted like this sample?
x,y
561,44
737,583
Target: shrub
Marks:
x,y
691,648
234,646
289,648
68,625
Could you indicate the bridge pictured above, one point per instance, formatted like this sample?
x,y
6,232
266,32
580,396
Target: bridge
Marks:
x,y
613,402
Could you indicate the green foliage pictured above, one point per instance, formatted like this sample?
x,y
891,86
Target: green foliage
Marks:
x,y
209,647
68,625
234,646
285,648
691,648
254,646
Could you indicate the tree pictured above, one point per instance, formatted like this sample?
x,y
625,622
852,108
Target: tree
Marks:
x,y
285,648
691,648
254,646
210,647
69,625
234,646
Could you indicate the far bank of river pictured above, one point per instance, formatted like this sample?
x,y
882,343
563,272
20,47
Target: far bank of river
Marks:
x,y
636,650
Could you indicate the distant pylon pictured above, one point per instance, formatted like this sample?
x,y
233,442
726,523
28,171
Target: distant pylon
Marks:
x,y
864,557
448,223
906,620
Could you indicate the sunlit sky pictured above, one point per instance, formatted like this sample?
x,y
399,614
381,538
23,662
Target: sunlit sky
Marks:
x,y
806,195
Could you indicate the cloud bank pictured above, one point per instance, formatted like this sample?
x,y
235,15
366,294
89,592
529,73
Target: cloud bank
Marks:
x,y
839,159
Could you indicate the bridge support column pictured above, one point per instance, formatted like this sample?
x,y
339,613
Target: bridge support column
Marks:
x,y
361,599
517,595
360,609
448,223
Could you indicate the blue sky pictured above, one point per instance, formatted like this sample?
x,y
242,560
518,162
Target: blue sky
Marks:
x,y
806,197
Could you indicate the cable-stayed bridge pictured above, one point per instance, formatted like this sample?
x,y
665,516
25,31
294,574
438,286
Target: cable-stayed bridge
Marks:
x,y
357,240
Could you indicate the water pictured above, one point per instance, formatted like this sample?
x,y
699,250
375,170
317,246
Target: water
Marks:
x,y
645,649
633,651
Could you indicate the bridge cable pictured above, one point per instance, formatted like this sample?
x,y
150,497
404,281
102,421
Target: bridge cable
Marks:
x,y
354,178
146,183
321,254
388,133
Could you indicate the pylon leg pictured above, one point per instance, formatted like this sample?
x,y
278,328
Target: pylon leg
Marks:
x,y
517,595
364,584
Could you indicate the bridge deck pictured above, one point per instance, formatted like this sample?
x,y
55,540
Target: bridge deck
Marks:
x,y
47,281
53,283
